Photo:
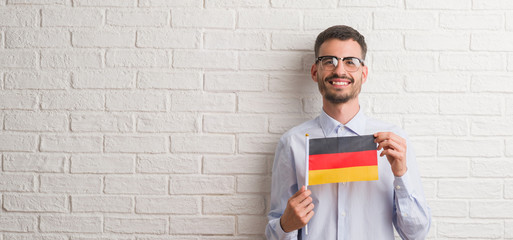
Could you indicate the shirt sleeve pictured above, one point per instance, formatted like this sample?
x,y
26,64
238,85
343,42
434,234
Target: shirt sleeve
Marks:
x,y
284,185
412,216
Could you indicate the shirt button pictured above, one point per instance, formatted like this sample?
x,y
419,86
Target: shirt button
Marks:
x,y
343,214
405,215
397,187
344,183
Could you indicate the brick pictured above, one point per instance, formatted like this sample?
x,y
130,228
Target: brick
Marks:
x,y
448,208
292,83
437,41
21,38
306,4
103,38
152,225
370,3
253,184
444,167
243,164
137,18
14,223
107,204
509,147
71,143
281,124
312,104
65,59
170,3
235,4
236,40
424,62
405,104
322,19
474,21
35,236
464,104
439,4
16,183
470,147
198,18
101,122
508,229
35,203
492,168
72,100
429,186
202,225
204,59
234,205
37,80
257,143
470,189
424,146
18,100
175,163
136,144
172,39
70,184
491,209
292,41
204,102
492,127
167,205
23,162
104,79
492,5
105,3
135,185
436,126
491,83
509,21
40,2
136,101
17,142
71,224
170,80
201,185
268,103
202,143
138,58
500,41
36,121
251,224
19,17
470,229
71,17
508,189
269,19
402,20
18,59
228,123
384,82
102,164
437,82
271,61
384,41
231,81
166,122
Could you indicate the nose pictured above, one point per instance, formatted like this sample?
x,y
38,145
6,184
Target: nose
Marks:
x,y
340,70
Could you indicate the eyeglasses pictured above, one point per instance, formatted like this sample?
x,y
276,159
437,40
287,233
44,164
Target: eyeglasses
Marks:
x,y
329,63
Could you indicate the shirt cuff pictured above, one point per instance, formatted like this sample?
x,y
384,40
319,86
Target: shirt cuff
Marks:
x,y
402,186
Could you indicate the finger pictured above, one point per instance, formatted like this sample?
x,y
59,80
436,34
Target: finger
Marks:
x,y
309,216
391,153
391,144
305,202
309,208
380,136
300,197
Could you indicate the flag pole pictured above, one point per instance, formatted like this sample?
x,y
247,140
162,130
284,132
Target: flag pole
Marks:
x,y
307,148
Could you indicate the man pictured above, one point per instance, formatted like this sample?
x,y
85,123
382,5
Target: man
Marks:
x,y
352,210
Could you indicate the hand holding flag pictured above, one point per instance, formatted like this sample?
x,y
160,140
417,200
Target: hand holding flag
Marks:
x,y
298,212
394,147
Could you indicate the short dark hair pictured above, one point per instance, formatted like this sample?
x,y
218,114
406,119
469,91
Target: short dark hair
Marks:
x,y
343,33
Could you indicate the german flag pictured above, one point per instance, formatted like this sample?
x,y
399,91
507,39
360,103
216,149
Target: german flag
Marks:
x,y
342,159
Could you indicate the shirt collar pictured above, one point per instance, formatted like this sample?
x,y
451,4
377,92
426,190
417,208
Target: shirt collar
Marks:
x,y
329,125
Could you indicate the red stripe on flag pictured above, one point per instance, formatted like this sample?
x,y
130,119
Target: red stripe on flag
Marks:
x,y
343,160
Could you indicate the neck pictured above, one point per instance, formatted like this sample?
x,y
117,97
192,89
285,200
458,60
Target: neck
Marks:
x,y
342,112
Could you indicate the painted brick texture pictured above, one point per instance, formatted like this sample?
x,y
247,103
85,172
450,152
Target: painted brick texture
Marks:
x,y
158,119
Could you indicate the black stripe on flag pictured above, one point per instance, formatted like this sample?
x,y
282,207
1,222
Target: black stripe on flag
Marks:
x,y
342,144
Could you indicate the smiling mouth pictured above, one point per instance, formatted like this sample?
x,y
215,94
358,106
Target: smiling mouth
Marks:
x,y
339,83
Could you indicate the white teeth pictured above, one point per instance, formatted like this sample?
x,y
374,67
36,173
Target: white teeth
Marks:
x,y
340,83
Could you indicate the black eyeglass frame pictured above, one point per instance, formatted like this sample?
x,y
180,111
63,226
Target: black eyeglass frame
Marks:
x,y
341,59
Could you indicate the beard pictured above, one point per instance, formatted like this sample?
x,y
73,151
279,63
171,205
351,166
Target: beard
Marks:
x,y
337,96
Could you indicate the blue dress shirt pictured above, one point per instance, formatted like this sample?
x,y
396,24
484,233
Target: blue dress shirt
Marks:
x,y
352,210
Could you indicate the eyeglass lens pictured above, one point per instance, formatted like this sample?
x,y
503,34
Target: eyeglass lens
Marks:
x,y
350,64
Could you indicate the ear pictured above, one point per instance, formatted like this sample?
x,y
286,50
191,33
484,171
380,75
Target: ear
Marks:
x,y
313,72
365,72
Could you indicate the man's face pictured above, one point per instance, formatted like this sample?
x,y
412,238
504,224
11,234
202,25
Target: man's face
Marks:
x,y
339,85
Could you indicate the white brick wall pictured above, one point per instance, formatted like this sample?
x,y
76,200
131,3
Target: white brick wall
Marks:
x,y
158,119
